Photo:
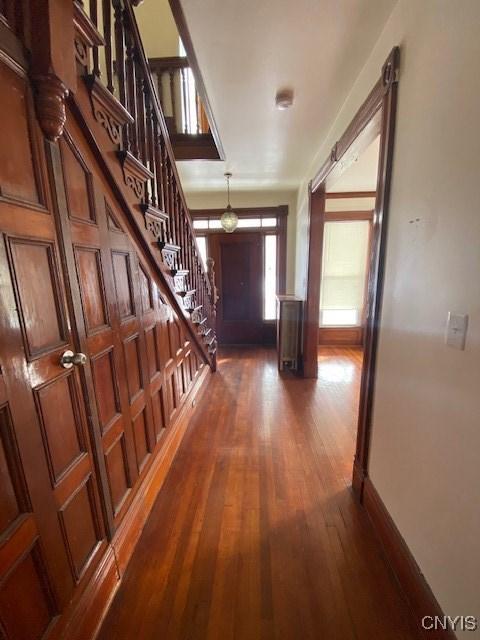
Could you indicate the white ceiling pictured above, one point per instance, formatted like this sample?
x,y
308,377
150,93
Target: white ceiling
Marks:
x,y
247,50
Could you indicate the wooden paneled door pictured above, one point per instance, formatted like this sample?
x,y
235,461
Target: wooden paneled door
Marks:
x,y
239,270
140,364
112,294
51,526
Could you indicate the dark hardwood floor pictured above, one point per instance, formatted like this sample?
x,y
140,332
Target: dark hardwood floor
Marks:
x,y
255,533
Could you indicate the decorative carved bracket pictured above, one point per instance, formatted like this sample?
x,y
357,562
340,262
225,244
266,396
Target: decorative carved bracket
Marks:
x,y
50,96
179,281
154,220
196,317
135,173
107,110
169,253
189,300
86,35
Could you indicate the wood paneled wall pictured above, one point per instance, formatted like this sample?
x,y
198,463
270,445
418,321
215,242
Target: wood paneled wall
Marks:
x,y
82,450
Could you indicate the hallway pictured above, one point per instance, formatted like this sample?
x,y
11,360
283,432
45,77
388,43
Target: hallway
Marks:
x,y
255,533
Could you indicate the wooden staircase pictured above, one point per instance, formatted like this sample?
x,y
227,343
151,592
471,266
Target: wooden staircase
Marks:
x,y
111,62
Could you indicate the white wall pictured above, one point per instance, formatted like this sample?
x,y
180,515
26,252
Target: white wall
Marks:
x,y
425,453
158,28
217,200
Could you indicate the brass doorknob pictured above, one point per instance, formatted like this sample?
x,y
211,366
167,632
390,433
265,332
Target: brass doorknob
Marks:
x,y
69,359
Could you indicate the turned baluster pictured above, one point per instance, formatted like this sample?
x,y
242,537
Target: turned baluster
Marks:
x,y
197,110
120,58
107,34
166,191
159,164
151,144
176,215
94,19
141,114
171,73
158,144
131,81
186,120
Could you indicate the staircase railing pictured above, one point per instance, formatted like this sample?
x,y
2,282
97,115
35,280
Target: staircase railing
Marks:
x,y
181,103
118,62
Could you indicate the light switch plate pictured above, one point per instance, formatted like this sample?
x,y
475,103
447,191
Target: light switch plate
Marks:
x,y
456,330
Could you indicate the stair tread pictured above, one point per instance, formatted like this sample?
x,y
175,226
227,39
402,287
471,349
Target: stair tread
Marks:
x,y
187,293
153,211
168,246
193,309
179,272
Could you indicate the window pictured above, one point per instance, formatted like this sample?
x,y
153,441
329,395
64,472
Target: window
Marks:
x,y
200,224
270,278
344,270
248,222
269,222
202,247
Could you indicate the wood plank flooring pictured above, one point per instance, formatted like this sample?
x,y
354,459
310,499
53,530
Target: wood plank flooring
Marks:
x,y
255,533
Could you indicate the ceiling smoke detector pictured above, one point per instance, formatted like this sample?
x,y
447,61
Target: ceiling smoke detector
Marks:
x,y
284,99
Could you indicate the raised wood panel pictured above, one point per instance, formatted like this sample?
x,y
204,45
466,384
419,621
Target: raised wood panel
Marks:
x,y
106,391
59,415
18,175
140,434
123,284
9,508
26,604
162,336
152,352
78,183
13,497
36,278
158,410
133,366
117,470
80,525
170,384
145,290
112,221
174,337
89,269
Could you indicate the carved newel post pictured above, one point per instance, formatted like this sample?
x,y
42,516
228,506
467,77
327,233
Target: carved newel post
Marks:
x,y
211,278
213,302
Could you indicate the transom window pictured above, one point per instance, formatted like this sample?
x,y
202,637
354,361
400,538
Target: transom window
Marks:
x,y
271,227
243,223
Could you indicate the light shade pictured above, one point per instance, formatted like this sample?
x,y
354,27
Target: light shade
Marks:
x,y
229,220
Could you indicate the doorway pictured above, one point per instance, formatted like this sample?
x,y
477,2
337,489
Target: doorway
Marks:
x,y
250,269
374,119
238,259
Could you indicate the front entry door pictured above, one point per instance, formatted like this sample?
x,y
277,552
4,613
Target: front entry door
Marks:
x,y
239,270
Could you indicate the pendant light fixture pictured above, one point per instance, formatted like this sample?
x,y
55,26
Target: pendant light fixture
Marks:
x,y
229,219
